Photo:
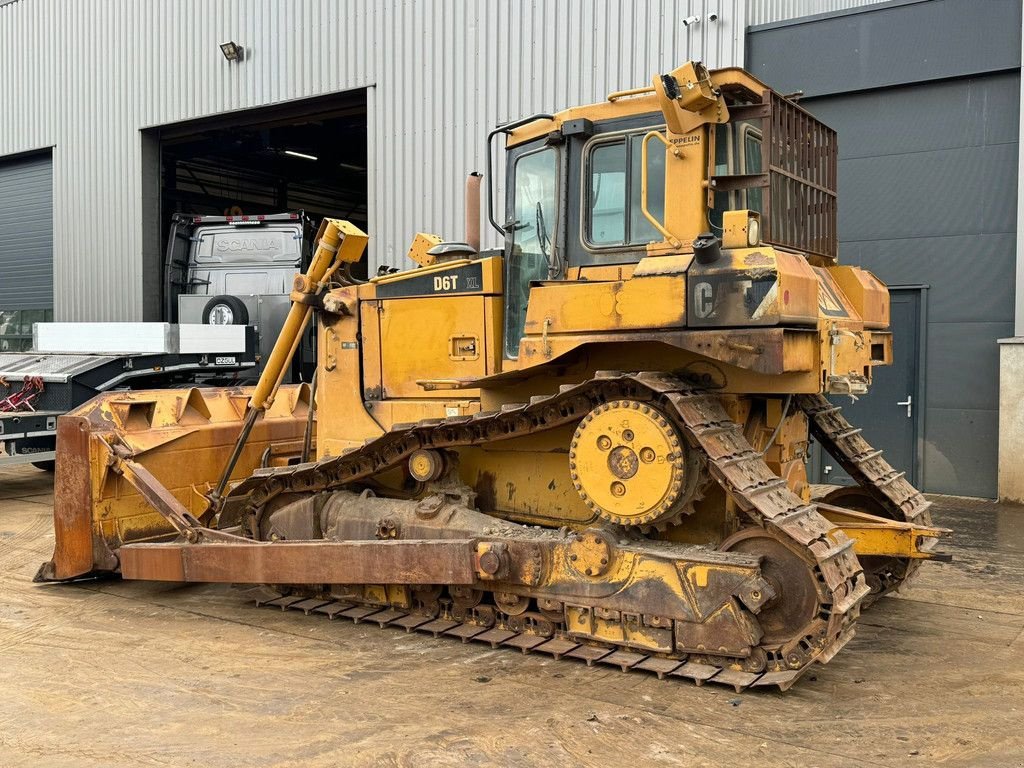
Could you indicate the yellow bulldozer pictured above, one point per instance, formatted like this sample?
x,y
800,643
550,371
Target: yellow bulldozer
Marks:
x,y
591,443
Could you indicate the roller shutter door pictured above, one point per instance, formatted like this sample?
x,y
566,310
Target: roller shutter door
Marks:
x,y
26,247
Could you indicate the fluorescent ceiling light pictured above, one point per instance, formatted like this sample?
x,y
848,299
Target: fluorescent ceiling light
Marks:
x,y
303,155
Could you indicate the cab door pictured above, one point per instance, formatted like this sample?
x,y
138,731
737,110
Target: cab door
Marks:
x,y
531,254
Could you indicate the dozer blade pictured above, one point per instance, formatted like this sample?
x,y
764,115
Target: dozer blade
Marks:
x,y
182,438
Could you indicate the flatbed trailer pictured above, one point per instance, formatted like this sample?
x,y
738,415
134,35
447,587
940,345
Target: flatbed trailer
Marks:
x,y
153,354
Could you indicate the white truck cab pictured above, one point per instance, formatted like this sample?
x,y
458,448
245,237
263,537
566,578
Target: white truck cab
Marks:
x,y
237,270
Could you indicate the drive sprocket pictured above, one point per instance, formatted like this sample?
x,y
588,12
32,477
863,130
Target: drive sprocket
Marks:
x,y
630,465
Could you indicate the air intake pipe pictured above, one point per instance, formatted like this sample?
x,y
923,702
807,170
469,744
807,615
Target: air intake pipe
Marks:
x,y
473,210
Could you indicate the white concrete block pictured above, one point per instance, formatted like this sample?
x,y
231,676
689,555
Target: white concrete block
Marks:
x,y
1011,419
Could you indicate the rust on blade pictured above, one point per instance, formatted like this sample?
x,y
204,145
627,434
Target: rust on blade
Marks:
x,y
135,466
72,518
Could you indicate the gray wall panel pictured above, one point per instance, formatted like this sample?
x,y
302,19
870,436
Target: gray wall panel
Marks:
x,y
889,45
971,277
957,456
26,233
927,188
768,11
935,193
929,116
963,367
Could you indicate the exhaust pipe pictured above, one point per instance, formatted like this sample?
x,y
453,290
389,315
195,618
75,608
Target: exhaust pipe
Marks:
x,y
473,210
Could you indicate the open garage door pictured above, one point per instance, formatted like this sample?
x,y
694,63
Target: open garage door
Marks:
x,y
305,155
26,248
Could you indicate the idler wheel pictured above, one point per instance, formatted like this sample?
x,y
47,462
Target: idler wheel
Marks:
x,y
796,604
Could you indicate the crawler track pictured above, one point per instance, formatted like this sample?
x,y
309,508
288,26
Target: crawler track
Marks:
x,y
556,644
888,486
761,495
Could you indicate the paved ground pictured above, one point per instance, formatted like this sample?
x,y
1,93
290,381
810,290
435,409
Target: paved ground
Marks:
x,y
127,674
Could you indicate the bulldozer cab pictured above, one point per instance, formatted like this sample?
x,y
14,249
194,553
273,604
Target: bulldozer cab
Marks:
x,y
593,190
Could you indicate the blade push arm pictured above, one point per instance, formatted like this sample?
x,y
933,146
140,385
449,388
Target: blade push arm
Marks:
x,y
338,242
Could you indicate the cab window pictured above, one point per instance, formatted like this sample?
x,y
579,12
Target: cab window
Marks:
x,y
531,232
613,213
751,163
737,151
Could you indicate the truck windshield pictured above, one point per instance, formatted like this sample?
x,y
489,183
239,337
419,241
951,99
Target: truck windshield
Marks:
x,y
229,246
532,231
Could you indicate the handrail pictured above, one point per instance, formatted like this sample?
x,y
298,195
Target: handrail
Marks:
x,y
506,128
616,95
675,241
440,266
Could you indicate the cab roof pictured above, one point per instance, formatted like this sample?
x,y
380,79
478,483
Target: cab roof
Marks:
x,y
732,81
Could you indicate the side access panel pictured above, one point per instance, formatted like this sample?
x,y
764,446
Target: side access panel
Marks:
x,y
435,339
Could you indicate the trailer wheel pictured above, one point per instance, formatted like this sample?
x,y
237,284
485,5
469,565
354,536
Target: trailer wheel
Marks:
x,y
225,310
46,466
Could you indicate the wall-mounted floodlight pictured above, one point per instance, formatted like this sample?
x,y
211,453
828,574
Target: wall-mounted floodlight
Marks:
x,y
232,51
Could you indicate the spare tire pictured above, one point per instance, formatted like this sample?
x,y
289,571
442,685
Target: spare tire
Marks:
x,y
225,310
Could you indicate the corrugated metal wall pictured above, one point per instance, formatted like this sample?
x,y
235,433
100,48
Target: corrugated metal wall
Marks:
x,y
767,11
85,77
439,92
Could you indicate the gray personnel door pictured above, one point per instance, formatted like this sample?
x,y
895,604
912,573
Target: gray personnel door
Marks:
x,y
26,248
890,414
